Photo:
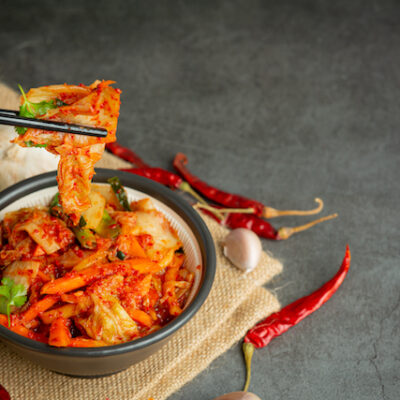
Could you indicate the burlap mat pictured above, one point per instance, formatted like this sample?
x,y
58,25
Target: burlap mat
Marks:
x,y
236,302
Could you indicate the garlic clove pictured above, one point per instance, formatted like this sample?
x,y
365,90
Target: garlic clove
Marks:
x,y
238,396
243,248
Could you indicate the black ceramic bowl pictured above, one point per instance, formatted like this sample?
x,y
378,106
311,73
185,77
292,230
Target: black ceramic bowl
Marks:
x,y
108,360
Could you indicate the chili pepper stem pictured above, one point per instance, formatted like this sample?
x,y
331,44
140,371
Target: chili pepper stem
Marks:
x,y
221,211
248,351
213,210
249,210
185,187
285,232
269,212
8,315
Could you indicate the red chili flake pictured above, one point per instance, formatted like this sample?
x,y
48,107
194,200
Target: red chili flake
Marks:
x,y
145,240
78,251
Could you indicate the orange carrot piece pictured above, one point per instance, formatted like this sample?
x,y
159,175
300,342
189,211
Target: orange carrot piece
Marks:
x,y
170,274
177,261
76,279
38,251
83,342
3,320
130,246
72,297
136,249
66,311
64,284
21,330
143,266
92,259
153,314
37,308
44,277
141,317
60,335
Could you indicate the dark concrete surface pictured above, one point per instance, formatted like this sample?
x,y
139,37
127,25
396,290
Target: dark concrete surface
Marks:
x,y
281,101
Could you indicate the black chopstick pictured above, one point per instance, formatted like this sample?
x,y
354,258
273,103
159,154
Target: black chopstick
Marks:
x,y
11,117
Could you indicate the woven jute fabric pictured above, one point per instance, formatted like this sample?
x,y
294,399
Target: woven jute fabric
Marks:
x,y
236,302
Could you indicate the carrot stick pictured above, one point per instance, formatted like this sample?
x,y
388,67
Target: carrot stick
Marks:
x,y
76,279
141,317
64,284
129,245
44,277
143,266
153,314
3,320
59,336
21,330
36,308
74,297
66,311
93,258
38,251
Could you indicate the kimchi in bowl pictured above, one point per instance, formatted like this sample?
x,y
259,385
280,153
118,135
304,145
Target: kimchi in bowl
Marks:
x,y
200,259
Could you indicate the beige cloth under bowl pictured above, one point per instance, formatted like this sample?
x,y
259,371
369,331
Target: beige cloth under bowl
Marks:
x,y
235,304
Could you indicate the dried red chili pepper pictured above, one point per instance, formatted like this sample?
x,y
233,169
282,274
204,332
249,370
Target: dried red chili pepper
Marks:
x,y
234,200
159,175
234,219
292,314
166,178
4,395
126,154
258,225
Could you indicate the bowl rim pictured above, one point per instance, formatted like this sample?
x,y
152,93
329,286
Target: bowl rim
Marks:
x,y
161,193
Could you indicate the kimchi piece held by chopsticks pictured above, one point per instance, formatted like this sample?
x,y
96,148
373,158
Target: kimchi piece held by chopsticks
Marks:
x,y
96,105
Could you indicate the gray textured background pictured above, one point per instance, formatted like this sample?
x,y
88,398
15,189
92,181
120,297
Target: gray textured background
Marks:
x,y
281,101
